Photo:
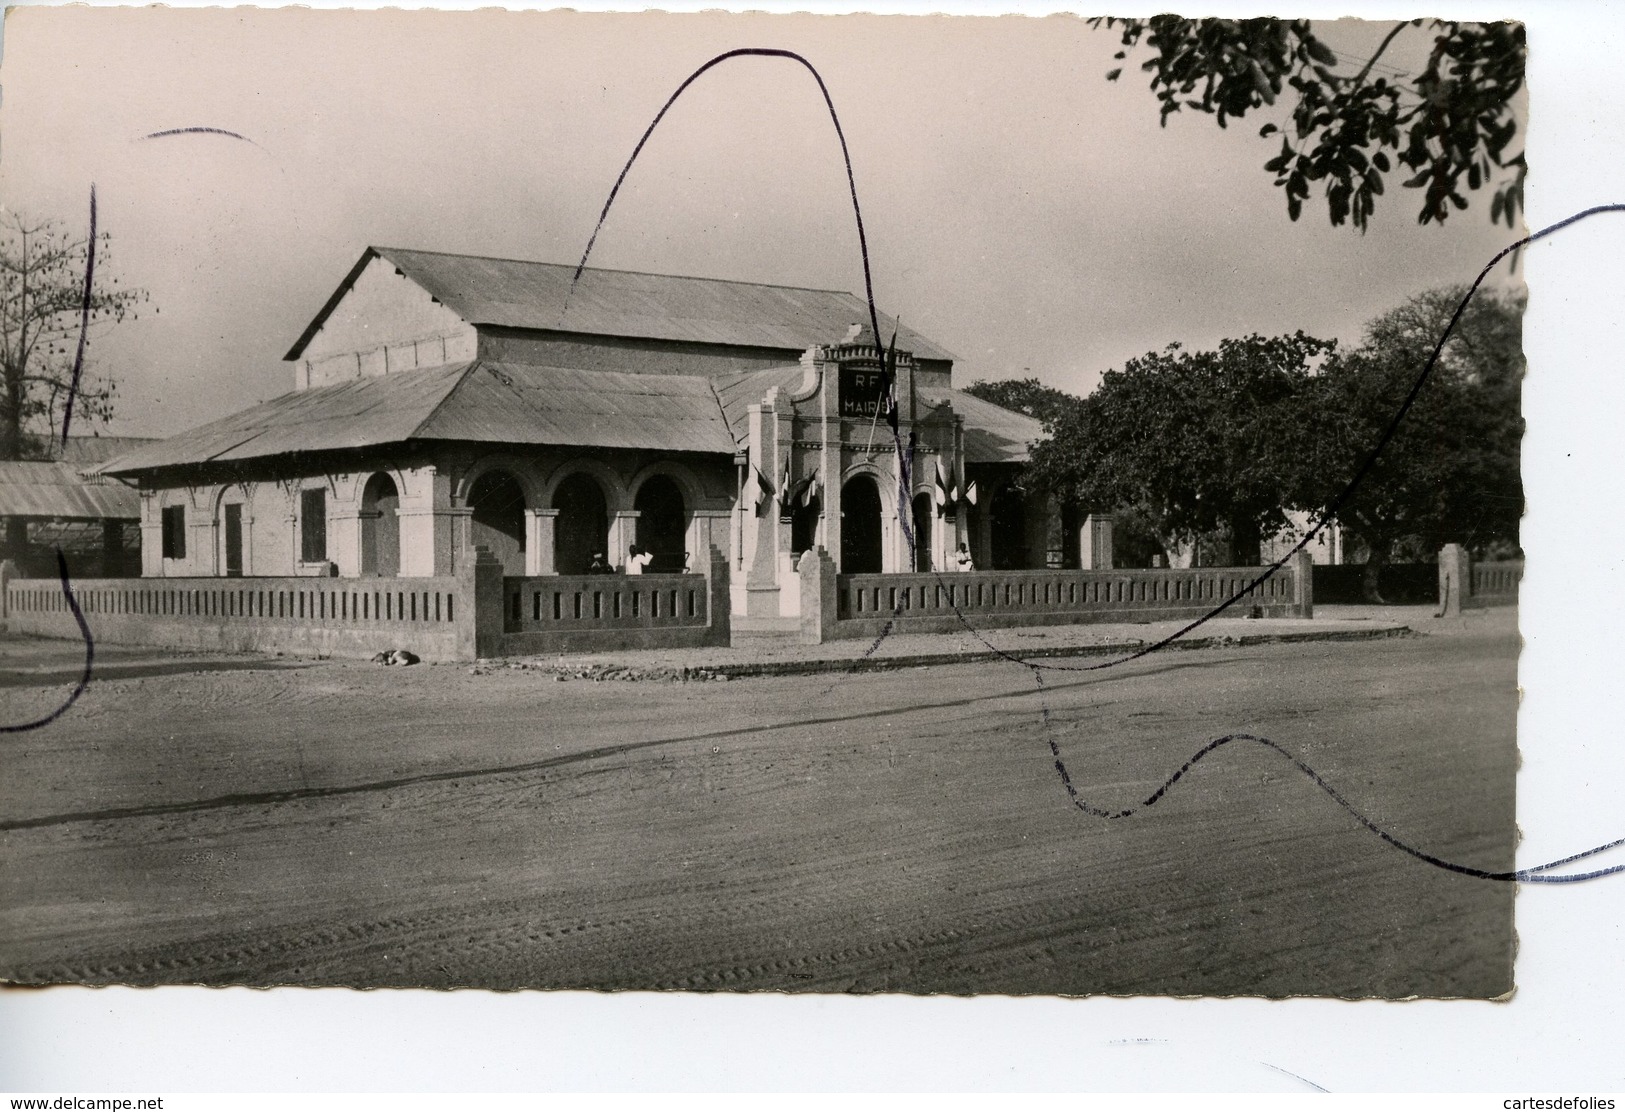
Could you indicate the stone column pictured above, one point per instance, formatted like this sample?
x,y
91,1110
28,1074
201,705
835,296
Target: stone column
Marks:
x,y
540,527
295,555
1303,585
1455,580
434,541
484,575
623,533
818,597
762,571
8,572
344,540
718,596
152,537
203,546
707,529
1095,543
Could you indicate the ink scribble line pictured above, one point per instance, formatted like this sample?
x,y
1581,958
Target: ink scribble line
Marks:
x,y
173,131
84,319
1537,874
90,657
62,560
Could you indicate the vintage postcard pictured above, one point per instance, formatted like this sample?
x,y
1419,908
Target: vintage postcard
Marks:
x,y
544,500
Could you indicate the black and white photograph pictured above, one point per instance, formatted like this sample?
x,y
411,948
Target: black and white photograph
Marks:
x,y
762,503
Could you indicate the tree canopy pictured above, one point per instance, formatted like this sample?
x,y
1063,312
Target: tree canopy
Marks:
x,y
1448,129
1026,395
43,294
1192,445
1192,442
1451,471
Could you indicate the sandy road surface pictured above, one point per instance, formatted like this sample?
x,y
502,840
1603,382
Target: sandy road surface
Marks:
x,y
241,820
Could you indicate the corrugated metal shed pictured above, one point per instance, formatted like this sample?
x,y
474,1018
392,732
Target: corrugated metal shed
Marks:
x,y
58,490
992,434
513,293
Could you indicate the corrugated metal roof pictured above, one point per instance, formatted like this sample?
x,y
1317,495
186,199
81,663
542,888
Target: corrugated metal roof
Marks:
x,y
95,449
739,392
513,293
993,434
351,414
51,489
507,403
518,403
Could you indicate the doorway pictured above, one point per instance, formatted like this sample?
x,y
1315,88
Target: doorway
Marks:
x,y
582,527
860,527
380,528
662,525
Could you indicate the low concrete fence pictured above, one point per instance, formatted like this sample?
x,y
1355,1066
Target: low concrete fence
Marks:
x,y
478,613
841,606
602,613
326,617
1496,583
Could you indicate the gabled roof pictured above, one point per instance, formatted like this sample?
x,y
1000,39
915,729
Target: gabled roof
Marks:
x,y
57,489
352,414
507,403
512,293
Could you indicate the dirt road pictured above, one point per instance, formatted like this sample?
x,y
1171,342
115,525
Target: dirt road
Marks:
x,y
242,820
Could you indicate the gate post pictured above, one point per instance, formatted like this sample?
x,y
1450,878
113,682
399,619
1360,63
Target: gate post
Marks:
x,y
482,580
718,599
1455,580
1095,543
818,597
1303,585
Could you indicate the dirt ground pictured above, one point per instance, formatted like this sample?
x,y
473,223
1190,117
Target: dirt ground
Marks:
x,y
245,820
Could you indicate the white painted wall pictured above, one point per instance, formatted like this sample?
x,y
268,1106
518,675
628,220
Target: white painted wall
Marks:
x,y
384,323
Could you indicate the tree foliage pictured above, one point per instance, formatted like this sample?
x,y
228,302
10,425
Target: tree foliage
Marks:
x,y
1193,442
42,297
1026,395
1451,471
1447,129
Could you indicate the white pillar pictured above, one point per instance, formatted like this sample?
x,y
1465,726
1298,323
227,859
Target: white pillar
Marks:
x,y
344,540
433,541
540,529
1095,543
623,533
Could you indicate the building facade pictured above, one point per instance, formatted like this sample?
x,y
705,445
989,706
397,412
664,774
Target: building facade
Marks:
x,y
447,402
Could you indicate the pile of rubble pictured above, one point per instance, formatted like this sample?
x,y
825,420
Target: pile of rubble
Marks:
x,y
563,670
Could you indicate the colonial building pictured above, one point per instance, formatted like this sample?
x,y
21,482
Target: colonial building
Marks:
x,y
443,402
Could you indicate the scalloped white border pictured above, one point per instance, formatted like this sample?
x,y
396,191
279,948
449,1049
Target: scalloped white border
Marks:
x,y
1560,1033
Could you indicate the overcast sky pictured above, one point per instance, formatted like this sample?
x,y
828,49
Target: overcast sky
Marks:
x,y
1021,211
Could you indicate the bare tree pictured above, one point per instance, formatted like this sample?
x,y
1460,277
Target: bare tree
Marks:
x,y
52,287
